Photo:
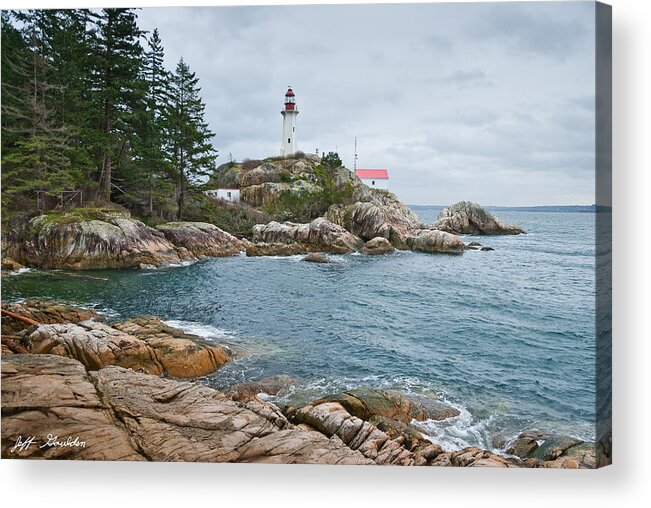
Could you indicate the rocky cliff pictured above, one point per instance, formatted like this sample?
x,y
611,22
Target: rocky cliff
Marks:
x,y
297,188
466,218
302,189
110,239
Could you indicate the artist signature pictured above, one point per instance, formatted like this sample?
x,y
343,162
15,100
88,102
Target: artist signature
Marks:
x,y
51,441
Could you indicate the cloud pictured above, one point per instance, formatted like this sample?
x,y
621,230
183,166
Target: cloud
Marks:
x,y
490,102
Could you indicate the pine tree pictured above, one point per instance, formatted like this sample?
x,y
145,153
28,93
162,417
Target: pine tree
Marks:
x,y
191,152
118,57
37,156
152,129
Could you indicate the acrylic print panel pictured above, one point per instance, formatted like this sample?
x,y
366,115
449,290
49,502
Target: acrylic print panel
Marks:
x,y
348,234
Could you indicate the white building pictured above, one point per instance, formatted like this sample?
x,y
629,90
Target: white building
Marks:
x,y
374,178
288,143
232,195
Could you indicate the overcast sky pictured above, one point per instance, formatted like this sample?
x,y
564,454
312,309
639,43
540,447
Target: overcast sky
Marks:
x,y
492,103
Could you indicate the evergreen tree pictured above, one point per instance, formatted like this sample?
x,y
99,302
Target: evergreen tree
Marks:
x,y
37,155
152,125
116,70
191,152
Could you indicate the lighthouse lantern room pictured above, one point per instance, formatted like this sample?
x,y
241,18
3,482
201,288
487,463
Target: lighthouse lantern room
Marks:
x,y
288,144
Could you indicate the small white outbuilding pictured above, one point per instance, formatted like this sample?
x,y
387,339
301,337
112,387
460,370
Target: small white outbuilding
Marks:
x,y
232,195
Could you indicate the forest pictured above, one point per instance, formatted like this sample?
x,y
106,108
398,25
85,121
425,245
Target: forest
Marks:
x,y
92,117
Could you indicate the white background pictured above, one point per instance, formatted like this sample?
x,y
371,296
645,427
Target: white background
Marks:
x,y
626,483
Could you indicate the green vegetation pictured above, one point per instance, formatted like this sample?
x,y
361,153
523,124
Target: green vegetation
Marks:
x,y
305,206
90,115
236,218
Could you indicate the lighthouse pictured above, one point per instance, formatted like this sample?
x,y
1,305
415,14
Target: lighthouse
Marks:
x,y
288,144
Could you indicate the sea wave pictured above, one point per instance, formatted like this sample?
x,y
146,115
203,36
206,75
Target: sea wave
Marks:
x,y
20,271
460,431
204,331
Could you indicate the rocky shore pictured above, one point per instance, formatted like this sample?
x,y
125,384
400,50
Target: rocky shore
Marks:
x,y
111,391
316,209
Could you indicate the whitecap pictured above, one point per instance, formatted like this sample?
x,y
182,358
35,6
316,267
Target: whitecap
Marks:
x,y
204,331
20,271
459,432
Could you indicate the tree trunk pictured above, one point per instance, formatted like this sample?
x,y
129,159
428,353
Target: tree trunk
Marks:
x,y
181,200
107,162
150,203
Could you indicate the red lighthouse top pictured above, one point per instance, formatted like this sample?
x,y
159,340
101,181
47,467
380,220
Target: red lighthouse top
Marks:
x,y
290,101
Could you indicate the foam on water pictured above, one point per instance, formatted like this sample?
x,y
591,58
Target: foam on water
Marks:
x,y
460,431
207,332
20,271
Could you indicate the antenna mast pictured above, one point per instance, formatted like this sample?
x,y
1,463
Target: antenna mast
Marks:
x,y
355,158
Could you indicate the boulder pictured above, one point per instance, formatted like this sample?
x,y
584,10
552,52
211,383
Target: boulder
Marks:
x,y
584,453
466,218
476,457
433,241
201,239
276,249
553,447
42,311
332,419
409,437
377,246
384,216
11,264
436,410
487,249
365,403
145,344
554,450
316,257
320,235
270,385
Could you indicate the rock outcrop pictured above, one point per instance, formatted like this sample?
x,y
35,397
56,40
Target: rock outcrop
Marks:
x,y
297,188
553,450
429,240
382,214
97,239
365,403
270,386
466,218
70,241
44,312
377,246
10,265
201,239
332,419
320,235
145,344
144,417
119,414
45,395
316,257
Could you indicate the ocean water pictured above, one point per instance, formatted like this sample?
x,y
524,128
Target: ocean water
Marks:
x,y
508,337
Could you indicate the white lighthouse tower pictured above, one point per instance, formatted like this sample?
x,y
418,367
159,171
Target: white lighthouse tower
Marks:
x,y
288,144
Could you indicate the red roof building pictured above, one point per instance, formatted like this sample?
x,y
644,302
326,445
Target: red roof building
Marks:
x,y
376,174
374,178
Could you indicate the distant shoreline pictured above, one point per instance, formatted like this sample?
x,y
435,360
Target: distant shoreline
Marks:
x,y
542,208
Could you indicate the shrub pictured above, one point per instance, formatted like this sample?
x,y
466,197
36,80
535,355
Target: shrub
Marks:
x,y
249,164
